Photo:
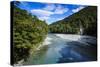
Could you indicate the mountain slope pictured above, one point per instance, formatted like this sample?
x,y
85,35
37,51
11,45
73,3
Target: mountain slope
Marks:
x,y
85,19
28,32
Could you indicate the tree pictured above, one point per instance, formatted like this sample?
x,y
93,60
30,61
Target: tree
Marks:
x,y
28,32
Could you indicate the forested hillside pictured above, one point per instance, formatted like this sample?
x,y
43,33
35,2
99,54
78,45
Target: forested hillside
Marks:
x,y
85,18
28,33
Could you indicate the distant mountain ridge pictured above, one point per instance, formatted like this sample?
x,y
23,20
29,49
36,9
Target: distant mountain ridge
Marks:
x,y
85,18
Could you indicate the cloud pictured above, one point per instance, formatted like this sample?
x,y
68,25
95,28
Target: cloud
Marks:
x,y
56,9
49,7
25,4
60,10
40,12
44,17
47,10
77,9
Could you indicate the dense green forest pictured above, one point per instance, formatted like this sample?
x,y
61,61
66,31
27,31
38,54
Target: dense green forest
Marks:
x,y
28,33
85,18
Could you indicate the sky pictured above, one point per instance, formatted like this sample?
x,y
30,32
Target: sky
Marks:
x,y
50,12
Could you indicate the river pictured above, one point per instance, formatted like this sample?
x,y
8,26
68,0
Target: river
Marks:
x,y
65,48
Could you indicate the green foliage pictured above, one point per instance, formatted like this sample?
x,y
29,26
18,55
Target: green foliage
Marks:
x,y
28,32
87,18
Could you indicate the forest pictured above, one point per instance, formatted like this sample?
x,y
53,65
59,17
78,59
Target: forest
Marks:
x,y
85,18
29,32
